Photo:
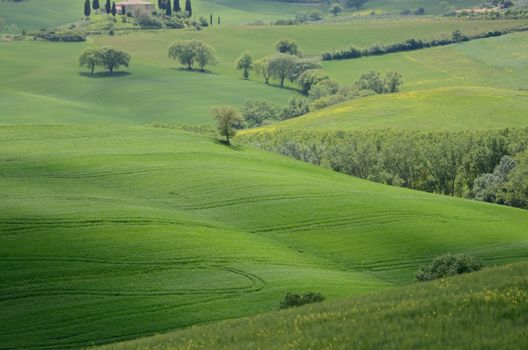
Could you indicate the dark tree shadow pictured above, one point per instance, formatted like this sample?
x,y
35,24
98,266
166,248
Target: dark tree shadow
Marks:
x,y
183,69
230,146
99,75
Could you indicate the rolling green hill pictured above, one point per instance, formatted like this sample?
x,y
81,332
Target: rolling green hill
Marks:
x,y
41,83
483,310
112,233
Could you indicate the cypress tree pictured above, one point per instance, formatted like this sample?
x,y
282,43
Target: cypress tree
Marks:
x,y
211,20
177,7
160,4
218,20
87,8
114,10
108,7
188,8
95,5
168,8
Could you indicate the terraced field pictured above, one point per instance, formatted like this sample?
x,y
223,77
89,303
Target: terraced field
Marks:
x,y
111,233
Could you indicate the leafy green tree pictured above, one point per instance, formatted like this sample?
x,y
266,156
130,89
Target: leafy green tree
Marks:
x,y
259,112
335,9
112,59
161,4
311,77
448,265
287,46
280,66
227,118
87,8
371,81
392,82
168,9
211,19
302,65
177,7
188,8
108,7
516,188
245,64
205,55
262,67
113,10
95,5
184,51
90,58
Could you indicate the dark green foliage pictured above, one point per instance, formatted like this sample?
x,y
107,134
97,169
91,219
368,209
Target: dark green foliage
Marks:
x,y
335,9
177,7
113,10
287,46
412,44
108,7
65,36
245,64
188,8
441,162
311,77
448,265
259,112
87,8
211,19
175,23
356,3
95,5
294,300
145,20
295,108
168,9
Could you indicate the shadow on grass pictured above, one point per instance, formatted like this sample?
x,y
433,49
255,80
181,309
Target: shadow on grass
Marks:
x,y
99,75
205,71
230,146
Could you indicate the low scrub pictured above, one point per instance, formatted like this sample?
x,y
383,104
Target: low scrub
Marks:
x,y
293,300
448,265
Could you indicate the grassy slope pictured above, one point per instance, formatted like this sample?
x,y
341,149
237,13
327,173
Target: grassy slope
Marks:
x,y
112,233
40,82
49,13
484,310
480,84
431,6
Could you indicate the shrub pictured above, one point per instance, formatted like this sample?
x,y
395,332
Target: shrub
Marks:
x,y
448,265
175,23
145,20
293,300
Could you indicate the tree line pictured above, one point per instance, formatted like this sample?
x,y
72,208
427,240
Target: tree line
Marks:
x,y
489,165
413,44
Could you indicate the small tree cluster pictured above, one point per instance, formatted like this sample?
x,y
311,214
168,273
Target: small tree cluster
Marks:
x,y
373,81
106,57
189,52
448,265
293,300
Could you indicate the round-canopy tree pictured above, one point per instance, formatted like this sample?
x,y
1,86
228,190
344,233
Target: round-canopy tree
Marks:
x,y
245,64
227,118
187,52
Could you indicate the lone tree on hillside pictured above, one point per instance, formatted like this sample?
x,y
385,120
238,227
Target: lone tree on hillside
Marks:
x,y
113,10
227,118
188,8
108,7
287,46
335,9
280,66
245,64
187,52
90,59
177,7
87,8
95,5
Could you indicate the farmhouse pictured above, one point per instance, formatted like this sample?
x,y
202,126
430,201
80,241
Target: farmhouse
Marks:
x,y
134,5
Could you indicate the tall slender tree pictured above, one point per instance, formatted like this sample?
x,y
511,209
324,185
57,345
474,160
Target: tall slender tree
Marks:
x,y
108,7
95,5
113,10
87,8
211,20
177,7
218,20
188,8
168,9
160,4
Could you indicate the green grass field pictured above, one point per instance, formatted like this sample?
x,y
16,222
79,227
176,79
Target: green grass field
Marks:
x,y
112,233
476,85
33,15
483,310
41,83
